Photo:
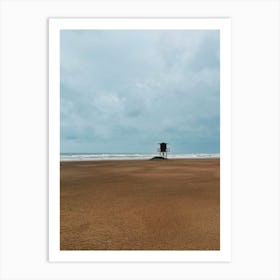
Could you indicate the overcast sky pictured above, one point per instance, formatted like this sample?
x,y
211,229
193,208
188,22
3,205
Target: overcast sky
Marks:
x,y
125,91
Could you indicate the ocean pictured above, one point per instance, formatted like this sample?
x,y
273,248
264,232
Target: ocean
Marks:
x,y
127,156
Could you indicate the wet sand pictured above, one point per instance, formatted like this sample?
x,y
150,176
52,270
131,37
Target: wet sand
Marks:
x,y
140,205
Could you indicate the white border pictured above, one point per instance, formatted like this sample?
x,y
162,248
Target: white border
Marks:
x,y
222,24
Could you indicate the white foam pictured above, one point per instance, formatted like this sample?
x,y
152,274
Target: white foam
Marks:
x,y
90,157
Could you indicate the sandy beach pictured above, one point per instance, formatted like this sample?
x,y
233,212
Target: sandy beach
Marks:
x,y
140,205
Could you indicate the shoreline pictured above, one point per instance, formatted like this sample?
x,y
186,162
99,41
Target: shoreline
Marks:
x,y
136,159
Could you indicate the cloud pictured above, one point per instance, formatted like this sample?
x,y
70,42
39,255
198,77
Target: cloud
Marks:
x,y
123,91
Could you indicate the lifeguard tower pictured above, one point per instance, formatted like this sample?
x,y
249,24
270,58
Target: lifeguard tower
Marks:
x,y
163,149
